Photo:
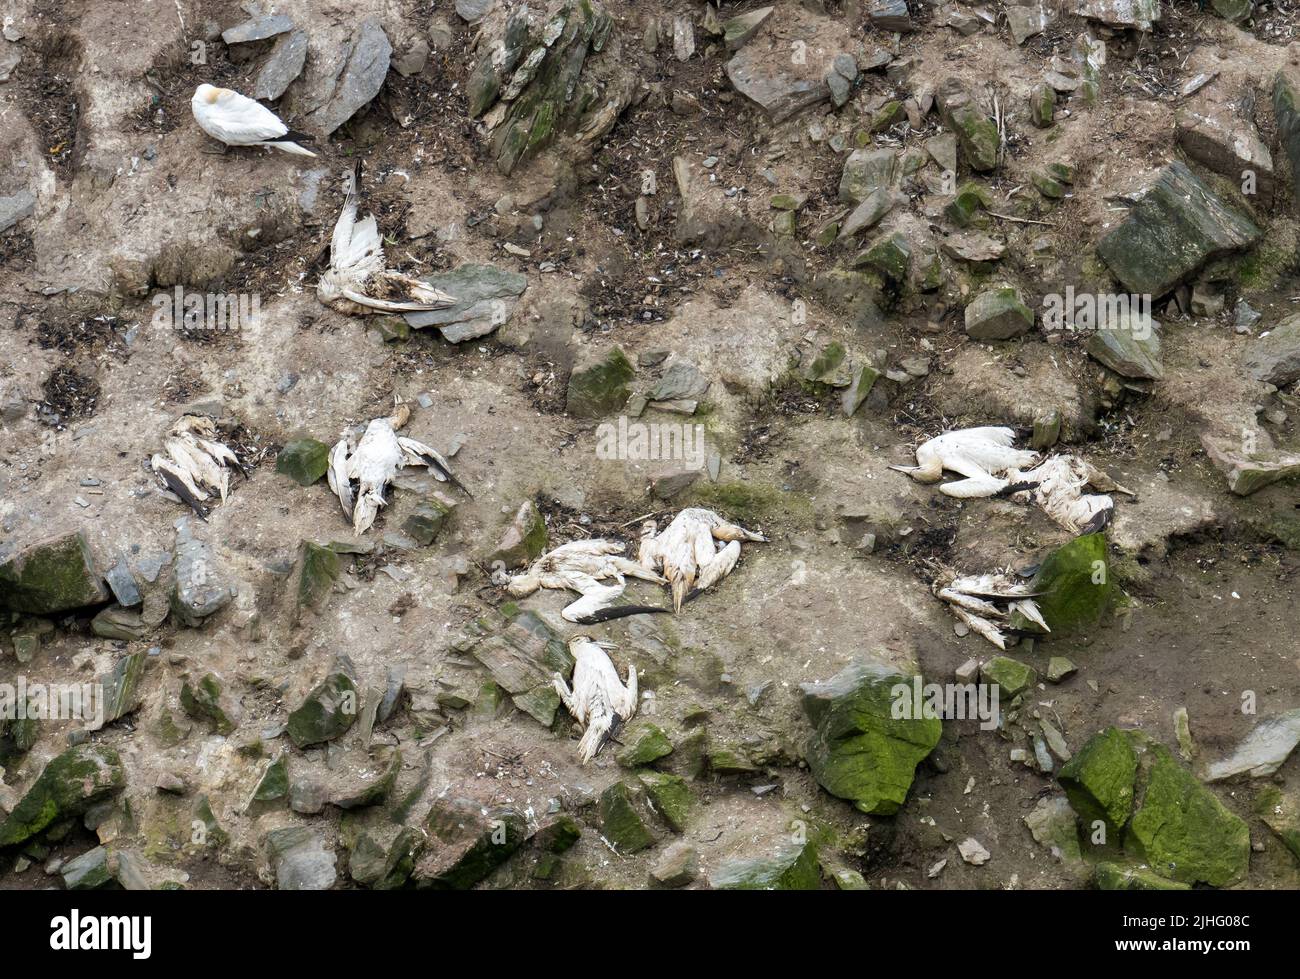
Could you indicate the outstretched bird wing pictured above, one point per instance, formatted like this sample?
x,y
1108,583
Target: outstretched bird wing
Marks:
x,y
355,247
419,454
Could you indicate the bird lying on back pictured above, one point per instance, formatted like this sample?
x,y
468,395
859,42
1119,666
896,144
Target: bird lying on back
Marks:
x,y
581,566
598,700
694,552
236,120
197,463
979,454
357,282
992,466
374,462
986,602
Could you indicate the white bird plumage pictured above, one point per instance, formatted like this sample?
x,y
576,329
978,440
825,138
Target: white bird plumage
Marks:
x,y
196,463
992,467
695,551
979,454
236,120
357,282
598,701
581,566
979,600
373,464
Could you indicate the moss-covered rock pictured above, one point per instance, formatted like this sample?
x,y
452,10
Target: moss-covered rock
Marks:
x,y
1075,586
861,750
1176,226
559,834
330,709
1011,676
670,797
384,856
1117,877
643,743
1042,105
998,313
69,785
318,570
304,461
524,540
792,868
1286,109
1100,780
601,385
467,844
1182,830
967,204
205,699
1127,351
426,521
890,255
977,134
274,783
50,576
620,819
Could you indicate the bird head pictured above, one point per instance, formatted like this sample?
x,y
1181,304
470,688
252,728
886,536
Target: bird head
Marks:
x,y
330,287
207,93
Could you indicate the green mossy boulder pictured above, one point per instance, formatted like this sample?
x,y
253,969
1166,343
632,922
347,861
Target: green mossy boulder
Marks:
x,y
861,750
1099,780
205,699
643,743
330,709
670,797
1012,676
318,570
621,822
1182,830
792,868
69,785
466,844
51,576
304,461
1075,585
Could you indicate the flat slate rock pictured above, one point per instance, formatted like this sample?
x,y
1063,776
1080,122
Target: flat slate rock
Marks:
x,y
485,298
364,69
14,209
754,74
1177,225
258,29
283,65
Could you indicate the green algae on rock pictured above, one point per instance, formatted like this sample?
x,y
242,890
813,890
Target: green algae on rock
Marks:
x,y
330,709
861,749
304,461
50,576
69,785
792,868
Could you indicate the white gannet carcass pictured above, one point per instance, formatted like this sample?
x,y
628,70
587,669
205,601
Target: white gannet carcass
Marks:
x,y
985,602
581,566
1057,485
695,551
598,701
196,462
373,463
236,120
357,282
979,454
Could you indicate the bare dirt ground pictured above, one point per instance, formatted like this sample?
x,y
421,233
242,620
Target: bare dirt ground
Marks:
x,y
131,202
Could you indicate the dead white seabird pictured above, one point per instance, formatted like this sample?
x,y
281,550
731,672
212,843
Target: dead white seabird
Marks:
x,y
979,454
598,701
357,282
1056,483
581,566
374,462
689,552
196,462
986,602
